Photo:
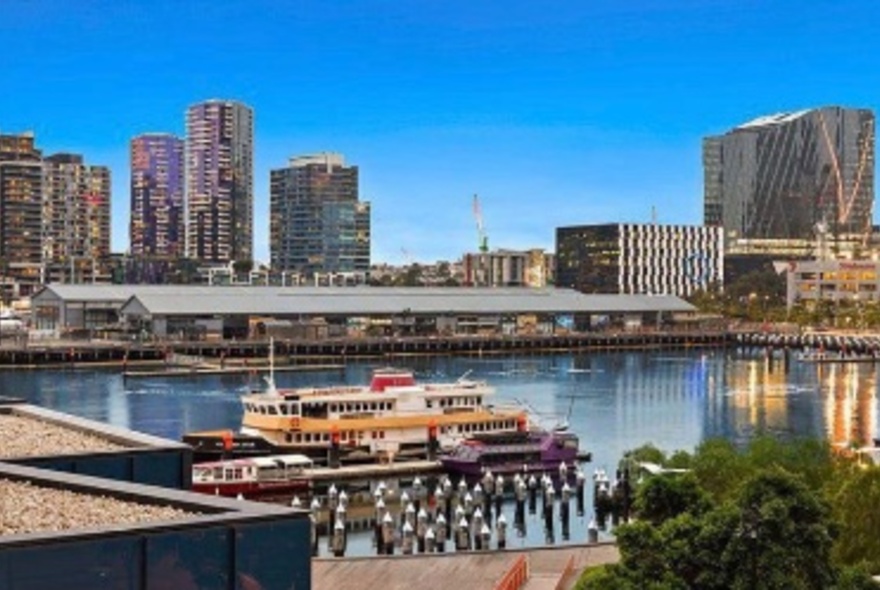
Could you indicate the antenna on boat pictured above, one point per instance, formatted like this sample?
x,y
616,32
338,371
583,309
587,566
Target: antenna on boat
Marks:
x,y
562,426
465,376
270,380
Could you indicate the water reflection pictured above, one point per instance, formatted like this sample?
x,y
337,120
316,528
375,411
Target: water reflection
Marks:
x,y
613,401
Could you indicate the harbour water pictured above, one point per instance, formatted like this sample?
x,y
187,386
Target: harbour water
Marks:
x,y
614,401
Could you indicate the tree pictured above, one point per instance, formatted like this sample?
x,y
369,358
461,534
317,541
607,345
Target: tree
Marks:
x,y
775,533
664,497
783,537
856,507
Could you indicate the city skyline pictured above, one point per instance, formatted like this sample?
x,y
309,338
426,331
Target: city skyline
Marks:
x,y
555,115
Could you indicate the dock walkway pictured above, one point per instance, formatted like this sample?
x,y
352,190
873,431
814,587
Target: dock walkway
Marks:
x,y
373,471
550,568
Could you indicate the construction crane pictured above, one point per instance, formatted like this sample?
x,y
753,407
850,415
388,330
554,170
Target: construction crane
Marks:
x,y
482,238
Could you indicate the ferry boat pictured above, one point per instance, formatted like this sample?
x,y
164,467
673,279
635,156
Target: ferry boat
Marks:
x,y
533,451
393,417
254,477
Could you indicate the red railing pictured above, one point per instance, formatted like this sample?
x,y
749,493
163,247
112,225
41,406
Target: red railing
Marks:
x,y
569,567
516,576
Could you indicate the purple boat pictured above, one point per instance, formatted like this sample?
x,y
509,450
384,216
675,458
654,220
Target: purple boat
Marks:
x,y
533,451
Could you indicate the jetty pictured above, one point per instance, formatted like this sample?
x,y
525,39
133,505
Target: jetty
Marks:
x,y
373,471
155,354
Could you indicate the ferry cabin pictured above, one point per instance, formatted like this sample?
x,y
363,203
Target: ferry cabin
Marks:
x,y
387,419
248,474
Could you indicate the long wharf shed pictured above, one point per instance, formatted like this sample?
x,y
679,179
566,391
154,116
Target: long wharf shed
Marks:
x,y
248,311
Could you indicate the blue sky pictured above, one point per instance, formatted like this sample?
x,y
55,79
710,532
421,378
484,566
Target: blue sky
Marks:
x,y
554,112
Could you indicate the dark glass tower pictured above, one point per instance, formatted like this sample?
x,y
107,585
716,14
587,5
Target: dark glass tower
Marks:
x,y
157,208
317,223
779,176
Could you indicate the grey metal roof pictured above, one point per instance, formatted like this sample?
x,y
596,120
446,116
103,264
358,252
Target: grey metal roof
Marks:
x,y
271,301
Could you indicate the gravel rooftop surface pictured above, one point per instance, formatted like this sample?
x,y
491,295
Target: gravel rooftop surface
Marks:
x,y
29,508
21,436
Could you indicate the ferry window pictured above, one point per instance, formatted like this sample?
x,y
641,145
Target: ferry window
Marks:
x,y
262,409
325,437
429,404
343,435
238,473
351,435
283,409
289,437
273,411
332,407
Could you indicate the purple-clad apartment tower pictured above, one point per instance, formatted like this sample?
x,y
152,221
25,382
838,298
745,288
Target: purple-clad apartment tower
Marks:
x,y
157,206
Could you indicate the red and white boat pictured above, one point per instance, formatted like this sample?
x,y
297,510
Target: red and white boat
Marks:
x,y
253,477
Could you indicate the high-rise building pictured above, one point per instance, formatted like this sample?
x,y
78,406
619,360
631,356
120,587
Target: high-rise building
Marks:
x,y
639,258
317,223
21,194
157,226
220,181
76,218
783,176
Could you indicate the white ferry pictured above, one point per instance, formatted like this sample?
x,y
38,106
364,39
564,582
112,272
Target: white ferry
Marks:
x,y
392,417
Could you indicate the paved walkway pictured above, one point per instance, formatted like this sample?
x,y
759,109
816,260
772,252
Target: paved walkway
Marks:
x,y
548,569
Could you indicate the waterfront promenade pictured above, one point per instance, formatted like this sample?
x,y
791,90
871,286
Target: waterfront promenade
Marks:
x,y
545,568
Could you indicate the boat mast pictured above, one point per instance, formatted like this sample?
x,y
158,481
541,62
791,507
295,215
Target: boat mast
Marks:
x,y
270,380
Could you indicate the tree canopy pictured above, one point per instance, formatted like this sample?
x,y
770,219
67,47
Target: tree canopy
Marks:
x,y
776,514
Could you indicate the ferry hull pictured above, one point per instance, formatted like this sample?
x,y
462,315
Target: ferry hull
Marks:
x,y
254,490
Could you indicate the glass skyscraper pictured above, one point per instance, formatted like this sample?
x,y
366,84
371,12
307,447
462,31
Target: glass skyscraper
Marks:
x,y
220,181
157,221
317,222
783,176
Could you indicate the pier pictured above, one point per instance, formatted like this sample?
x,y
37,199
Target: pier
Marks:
x,y
155,355
373,471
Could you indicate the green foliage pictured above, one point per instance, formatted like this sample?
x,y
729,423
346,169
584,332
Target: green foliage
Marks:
x,y
773,515
857,508
783,538
719,468
664,497
855,578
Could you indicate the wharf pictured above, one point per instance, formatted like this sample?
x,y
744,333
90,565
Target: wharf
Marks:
x,y
373,471
545,568
125,353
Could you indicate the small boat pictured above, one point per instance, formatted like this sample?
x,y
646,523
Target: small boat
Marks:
x,y
253,477
532,451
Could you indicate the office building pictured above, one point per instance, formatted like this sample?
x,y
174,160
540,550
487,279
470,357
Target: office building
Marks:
x,y
220,181
509,268
853,281
76,219
789,175
318,225
157,225
21,193
639,259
